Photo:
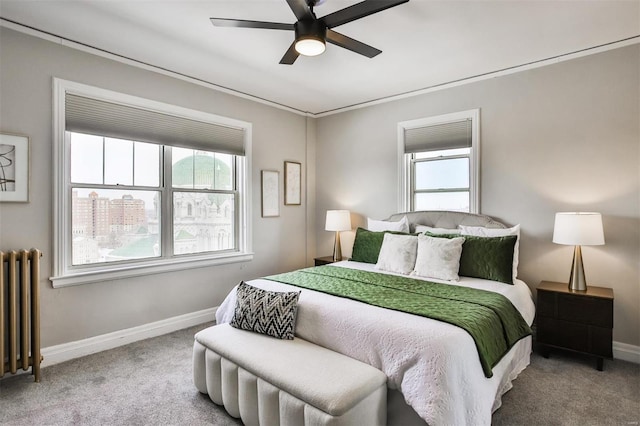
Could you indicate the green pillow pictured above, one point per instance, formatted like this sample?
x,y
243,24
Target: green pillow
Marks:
x,y
366,246
490,258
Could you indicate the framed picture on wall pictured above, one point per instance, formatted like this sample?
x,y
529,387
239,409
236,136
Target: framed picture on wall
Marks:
x,y
14,168
292,183
270,195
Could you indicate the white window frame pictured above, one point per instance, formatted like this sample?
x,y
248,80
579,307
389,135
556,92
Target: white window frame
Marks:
x,y
405,192
64,273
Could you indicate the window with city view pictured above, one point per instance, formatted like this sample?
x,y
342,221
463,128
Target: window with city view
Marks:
x,y
117,200
145,187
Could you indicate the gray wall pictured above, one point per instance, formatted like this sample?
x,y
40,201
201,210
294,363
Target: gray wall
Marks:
x,y
27,66
564,137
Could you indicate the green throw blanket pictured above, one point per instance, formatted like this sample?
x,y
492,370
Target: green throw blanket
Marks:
x,y
490,318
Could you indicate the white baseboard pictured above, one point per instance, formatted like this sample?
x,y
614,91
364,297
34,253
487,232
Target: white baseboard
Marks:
x,y
626,352
67,351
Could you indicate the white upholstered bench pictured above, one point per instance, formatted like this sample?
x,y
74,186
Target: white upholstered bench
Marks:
x,y
267,381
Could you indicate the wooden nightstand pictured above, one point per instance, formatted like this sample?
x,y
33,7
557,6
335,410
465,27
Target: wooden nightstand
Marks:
x,y
577,321
324,260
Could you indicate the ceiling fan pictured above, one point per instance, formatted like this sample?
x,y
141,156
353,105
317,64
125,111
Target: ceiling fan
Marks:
x,y
312,33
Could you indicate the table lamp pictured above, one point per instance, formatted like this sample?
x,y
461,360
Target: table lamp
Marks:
x,y
578,229
337,220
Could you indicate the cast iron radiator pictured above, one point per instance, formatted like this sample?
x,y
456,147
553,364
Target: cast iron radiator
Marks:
x,y
20,311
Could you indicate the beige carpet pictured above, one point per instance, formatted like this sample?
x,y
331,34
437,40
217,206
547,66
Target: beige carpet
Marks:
x,y
149,383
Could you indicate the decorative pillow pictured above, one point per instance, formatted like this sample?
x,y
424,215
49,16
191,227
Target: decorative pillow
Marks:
x,y
480,231
438,257
382,225
490,258
398,253
265,312
366,246
421,229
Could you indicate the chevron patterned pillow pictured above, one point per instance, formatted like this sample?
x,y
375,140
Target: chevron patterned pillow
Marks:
x,y
266,312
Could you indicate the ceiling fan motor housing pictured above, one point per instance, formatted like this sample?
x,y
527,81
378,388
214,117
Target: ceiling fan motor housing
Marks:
x,y
311,29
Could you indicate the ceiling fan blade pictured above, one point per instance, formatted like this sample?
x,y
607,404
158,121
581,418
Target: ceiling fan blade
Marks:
x,y
359,10
290,56
351,44
224,22
300,9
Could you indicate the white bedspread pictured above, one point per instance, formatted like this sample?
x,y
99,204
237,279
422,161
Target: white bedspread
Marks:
x,y
434,364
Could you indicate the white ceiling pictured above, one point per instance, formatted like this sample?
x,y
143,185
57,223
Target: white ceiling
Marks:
x,y
425,43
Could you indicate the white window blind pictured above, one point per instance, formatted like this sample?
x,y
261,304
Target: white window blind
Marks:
x,y
435,137
102,118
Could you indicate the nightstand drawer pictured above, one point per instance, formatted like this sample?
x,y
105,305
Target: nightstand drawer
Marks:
x,y
565,334
575,336
586,310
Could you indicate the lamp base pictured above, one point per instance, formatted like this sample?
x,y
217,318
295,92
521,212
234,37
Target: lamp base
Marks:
x,y
337,250
577,281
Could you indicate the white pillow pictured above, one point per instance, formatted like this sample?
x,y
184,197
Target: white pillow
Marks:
x,y
382,225
398,253
480,231
438,257
421,229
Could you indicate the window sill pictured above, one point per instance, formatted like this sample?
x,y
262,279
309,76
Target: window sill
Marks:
x,y
108,274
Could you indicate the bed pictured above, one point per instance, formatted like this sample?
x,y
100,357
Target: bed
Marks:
x,y
433,369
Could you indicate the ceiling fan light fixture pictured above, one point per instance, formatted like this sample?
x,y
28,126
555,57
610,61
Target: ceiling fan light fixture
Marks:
x,y
312,33
310,37
310,46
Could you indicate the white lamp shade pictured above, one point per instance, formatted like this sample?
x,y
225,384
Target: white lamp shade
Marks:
x,y
338,220
578,229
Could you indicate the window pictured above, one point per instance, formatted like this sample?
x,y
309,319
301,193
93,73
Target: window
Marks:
x,y
439,158
143,187
440,180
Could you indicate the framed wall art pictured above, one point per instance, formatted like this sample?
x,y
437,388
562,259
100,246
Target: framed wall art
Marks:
x,y
14,168
270,195
292,183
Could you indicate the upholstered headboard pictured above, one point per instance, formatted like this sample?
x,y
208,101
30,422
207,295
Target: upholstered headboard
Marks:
x,y
445,219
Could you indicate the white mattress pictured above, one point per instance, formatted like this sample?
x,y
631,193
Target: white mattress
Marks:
x,y
434,364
